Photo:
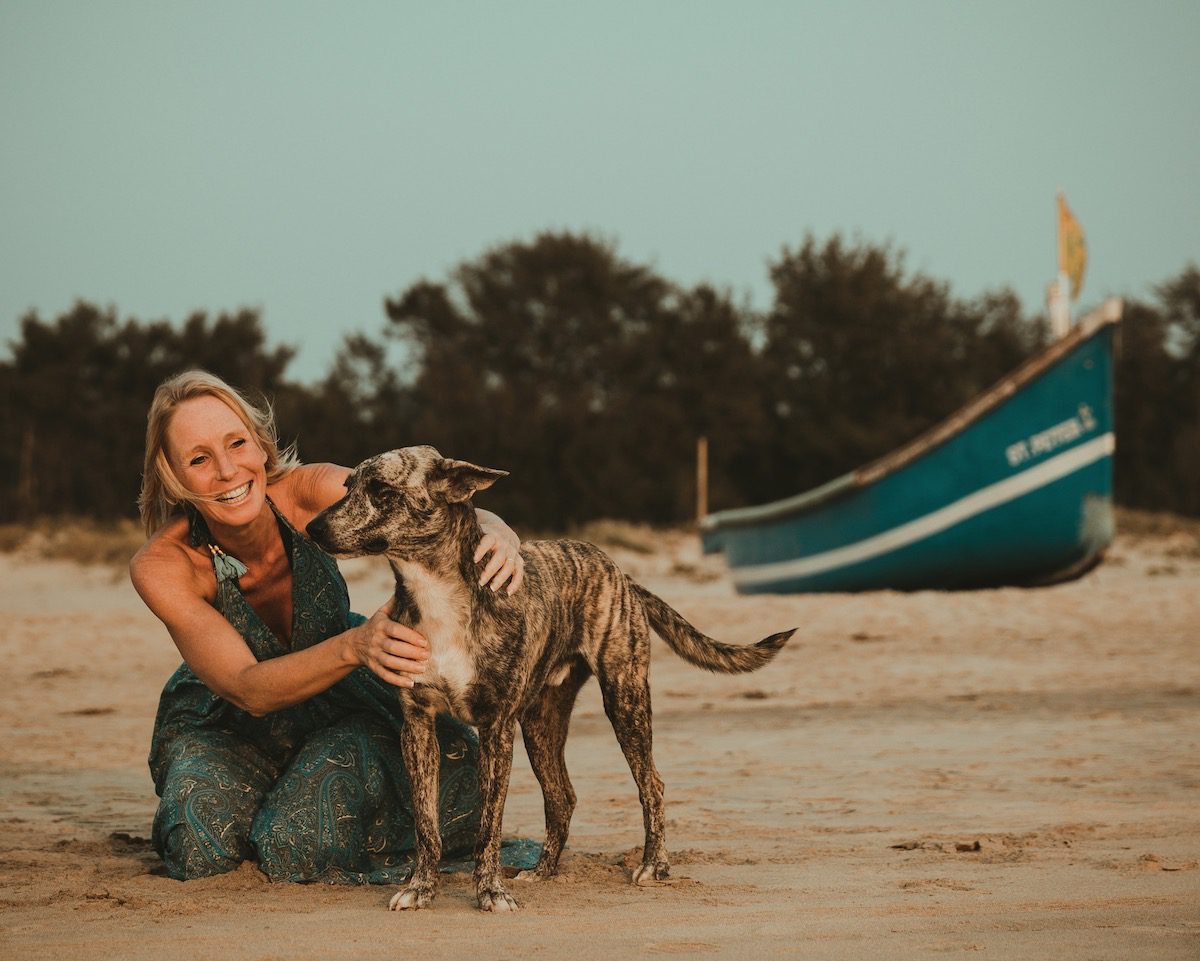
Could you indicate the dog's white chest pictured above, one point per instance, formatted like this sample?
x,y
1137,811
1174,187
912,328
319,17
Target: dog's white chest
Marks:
x,y
443,623
450,665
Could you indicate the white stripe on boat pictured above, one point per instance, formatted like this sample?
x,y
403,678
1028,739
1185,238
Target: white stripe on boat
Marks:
x,y
982,500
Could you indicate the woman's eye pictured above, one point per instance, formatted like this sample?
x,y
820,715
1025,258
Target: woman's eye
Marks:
x,y
239,442
196,461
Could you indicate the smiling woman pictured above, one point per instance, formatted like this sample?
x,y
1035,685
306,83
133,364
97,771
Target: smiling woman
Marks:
x,y
276,739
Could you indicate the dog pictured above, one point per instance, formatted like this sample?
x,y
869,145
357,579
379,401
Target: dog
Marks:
x,y
497,660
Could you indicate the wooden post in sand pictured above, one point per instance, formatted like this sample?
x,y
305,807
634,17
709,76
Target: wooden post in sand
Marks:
x,y
26,487
701,478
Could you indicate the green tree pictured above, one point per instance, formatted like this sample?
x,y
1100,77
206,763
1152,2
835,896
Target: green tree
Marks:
x,y
1158,399
76,394
589,377
358,409
860,357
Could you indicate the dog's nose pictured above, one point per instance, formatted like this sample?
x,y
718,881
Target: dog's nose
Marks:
x,y
317,528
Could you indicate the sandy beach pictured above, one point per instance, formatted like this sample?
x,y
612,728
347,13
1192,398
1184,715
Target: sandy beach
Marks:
x,y
1012,772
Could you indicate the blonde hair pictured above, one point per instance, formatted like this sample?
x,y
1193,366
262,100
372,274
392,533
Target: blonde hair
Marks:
x,y
162,492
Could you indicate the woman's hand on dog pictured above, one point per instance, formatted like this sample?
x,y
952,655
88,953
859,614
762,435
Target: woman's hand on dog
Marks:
x,y
505,566
391,651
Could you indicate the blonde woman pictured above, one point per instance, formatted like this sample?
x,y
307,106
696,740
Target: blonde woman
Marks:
x,y
275,740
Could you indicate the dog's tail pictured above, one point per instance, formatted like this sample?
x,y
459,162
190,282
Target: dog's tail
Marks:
x,y
696,648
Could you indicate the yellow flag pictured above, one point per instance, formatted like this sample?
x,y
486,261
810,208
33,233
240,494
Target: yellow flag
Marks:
x,y
1072,248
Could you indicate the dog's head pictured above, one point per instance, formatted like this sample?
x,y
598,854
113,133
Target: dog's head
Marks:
x,y
398,503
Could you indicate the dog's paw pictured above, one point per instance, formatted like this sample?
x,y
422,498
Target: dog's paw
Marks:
x,y
411,899
540,873
647,874
497,900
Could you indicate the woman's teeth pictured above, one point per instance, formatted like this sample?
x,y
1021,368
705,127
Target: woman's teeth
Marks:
x,y
236,494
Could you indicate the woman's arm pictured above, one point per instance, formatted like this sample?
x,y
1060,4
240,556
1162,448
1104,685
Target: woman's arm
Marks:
x,y
167,580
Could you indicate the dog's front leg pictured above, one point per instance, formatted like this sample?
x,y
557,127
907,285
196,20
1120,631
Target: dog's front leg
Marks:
x,y
495,764
418,743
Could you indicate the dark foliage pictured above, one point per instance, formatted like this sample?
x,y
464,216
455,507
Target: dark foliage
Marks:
x,y
1158,400
590,379
860,357
75,396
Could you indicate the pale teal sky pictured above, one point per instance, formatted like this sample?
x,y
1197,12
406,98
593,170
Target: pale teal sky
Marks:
x,y
311,158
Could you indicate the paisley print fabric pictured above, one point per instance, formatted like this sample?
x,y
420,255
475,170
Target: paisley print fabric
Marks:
x,y
317,791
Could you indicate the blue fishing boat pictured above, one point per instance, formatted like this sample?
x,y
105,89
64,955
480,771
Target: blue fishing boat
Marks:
x,y
1015,488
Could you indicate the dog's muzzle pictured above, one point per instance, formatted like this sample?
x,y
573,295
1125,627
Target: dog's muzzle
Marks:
x,y
318,531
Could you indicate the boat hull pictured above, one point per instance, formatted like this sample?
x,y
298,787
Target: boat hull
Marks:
x,y
1018,492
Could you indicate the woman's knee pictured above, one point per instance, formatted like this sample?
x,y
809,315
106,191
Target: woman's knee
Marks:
x,y
336,807
199,840
206,806
188,854
343,808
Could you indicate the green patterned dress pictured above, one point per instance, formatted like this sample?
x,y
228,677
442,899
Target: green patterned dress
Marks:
x,y
314,792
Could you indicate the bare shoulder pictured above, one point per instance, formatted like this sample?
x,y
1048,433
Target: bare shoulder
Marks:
x,y
306,491
167,564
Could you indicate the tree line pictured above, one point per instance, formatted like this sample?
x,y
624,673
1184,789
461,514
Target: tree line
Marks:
x,y
590,377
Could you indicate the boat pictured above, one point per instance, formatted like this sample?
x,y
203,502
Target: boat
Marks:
x,y
1014,488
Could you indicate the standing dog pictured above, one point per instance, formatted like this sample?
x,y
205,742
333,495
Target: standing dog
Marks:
x,y
497,659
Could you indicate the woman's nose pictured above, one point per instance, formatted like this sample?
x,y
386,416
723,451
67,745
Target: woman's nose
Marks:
x,y
224,464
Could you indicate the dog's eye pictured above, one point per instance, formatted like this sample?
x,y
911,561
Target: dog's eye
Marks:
x,y
379,491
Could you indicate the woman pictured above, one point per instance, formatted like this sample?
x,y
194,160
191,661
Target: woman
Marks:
x,y
276,739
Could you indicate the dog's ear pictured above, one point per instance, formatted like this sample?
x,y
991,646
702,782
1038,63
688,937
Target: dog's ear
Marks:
x,y
457,480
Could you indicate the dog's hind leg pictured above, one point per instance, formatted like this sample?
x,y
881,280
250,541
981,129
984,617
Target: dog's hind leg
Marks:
x,y
544,728
623,673
495,765
419,746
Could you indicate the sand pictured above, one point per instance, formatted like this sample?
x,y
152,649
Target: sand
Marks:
x,y
1009,772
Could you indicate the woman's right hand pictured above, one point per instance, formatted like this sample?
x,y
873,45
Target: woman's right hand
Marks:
x,y
391,651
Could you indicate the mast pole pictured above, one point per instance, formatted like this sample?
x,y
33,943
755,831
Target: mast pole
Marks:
x,y
1064,283
1058,293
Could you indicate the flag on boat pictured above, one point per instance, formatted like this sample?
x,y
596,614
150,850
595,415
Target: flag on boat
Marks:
x,y
1072,248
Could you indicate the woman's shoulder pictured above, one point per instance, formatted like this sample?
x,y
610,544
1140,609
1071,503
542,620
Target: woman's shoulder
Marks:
x,y
168,561
305,491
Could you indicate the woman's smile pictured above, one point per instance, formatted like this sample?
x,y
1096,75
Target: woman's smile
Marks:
x,y
237,495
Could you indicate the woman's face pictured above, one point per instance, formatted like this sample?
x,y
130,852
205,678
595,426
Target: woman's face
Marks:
x,y
214,453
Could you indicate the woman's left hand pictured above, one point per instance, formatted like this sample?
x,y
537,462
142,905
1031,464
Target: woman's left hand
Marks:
x,y
505,566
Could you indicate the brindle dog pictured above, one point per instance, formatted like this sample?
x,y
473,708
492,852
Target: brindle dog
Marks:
x,y
497,659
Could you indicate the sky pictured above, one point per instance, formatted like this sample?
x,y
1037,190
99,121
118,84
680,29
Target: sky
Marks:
x,y
310,159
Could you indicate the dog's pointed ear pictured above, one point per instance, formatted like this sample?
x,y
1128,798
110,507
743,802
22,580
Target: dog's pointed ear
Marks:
x,y
457,480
